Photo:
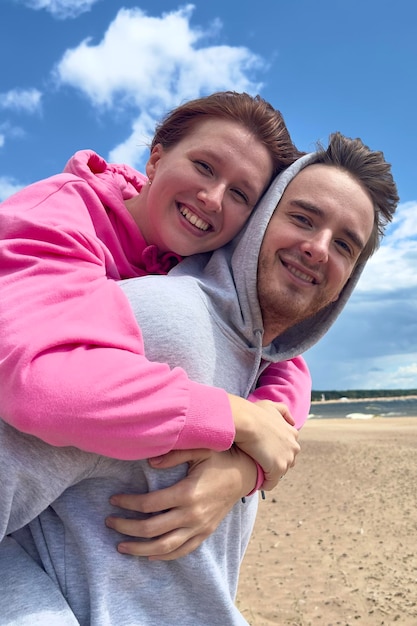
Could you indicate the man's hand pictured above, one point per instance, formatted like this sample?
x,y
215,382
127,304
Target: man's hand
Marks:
x,y
263,433
189,511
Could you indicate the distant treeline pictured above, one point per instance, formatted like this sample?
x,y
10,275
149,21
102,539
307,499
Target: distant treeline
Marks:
x,y
353,394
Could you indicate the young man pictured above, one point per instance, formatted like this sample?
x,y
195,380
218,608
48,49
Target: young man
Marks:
x,y
266,297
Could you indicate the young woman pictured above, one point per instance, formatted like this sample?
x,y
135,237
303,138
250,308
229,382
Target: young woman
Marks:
x,y
72,365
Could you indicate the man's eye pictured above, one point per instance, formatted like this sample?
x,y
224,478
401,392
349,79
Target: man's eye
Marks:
x,y
302,219
344,246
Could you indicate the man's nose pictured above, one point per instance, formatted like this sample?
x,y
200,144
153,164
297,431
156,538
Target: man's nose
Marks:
x,y
212,197
317,246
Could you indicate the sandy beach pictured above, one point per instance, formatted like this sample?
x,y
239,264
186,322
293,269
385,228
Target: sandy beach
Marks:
x,y
336,542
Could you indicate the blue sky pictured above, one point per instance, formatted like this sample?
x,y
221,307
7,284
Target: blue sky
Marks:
x,y
98,74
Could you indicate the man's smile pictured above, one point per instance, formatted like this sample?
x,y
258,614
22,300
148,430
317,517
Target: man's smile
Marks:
x,y
298,273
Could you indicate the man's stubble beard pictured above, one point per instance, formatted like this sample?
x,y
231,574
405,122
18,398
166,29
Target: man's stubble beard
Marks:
x,y
282,308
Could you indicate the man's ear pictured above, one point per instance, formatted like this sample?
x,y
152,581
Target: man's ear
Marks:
x,y
152,164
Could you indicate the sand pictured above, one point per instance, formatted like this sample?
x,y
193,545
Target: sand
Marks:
x,y
335,542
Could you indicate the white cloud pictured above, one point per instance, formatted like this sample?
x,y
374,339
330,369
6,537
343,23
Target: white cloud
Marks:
x,y
27,100
396,371
132,149
61,9
8,186
405,224
146,65
393,267
354,371
8,131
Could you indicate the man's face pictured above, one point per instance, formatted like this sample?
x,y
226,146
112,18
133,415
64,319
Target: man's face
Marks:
x,y
311,245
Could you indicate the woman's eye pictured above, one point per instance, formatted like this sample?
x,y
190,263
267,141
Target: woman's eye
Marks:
x,y
241,197
204,167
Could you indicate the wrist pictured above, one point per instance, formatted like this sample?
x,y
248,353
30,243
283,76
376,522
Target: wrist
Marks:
x,y
251,474
260,478
241,418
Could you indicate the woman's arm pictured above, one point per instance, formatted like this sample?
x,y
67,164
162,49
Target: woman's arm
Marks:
x,y
288,382
72,363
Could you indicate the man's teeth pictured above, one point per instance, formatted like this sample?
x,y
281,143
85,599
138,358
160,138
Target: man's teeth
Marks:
x,y
194,219
299,274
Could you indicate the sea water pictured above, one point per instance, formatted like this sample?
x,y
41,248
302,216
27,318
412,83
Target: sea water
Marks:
x,y
364,409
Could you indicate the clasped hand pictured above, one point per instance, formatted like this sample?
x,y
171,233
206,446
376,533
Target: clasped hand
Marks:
x,y
265,431
186,513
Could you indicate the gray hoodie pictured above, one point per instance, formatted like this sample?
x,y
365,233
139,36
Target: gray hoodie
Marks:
x,y
204,317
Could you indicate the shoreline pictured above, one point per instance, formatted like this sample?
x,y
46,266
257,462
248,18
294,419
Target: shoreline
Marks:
x,y
371,399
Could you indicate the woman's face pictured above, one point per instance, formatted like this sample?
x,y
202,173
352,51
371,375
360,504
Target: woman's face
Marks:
x,y
204,188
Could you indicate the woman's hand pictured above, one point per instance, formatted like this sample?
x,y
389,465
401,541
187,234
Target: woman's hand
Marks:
x,y
189,511
263,433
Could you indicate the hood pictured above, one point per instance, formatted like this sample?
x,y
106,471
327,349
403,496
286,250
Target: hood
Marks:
x,y
105,177
233,269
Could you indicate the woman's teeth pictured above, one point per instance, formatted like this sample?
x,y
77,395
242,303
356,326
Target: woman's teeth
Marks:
x,y
194,219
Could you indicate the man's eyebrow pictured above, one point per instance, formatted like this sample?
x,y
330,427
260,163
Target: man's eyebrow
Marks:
x,y
356,239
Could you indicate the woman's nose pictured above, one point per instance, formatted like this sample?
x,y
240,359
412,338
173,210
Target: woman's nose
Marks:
x,y
212,197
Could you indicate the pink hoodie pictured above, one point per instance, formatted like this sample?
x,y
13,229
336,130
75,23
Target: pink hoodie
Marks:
x,y
72,364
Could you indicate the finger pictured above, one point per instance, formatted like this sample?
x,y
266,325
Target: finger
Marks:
x,y
186,548
177,457
288,418
167,548
159,546
268,485
285,412
273,478
152,502
149,528
128,501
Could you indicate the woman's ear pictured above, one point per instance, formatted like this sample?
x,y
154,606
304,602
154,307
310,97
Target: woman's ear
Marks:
x,y
152,164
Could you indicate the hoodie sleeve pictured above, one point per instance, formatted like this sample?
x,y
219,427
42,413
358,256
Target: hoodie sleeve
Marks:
x,y
72,364
288,382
